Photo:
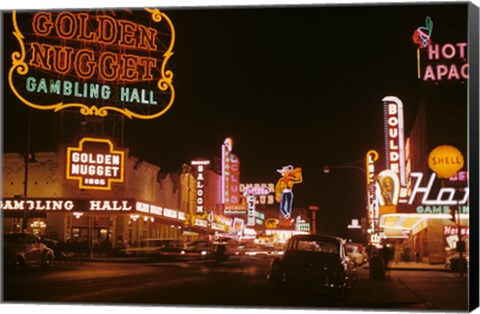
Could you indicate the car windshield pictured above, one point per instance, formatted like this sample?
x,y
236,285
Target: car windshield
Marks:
x,y
14,238
315,246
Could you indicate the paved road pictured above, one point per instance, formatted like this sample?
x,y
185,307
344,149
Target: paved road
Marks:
x,y
235,284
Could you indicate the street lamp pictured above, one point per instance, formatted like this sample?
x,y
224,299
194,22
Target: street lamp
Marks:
x,y
326,169
368,171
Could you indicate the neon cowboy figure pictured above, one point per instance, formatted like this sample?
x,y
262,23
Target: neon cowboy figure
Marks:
x,y
283,189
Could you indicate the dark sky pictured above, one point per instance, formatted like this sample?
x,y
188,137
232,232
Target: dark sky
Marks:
x,y
298,85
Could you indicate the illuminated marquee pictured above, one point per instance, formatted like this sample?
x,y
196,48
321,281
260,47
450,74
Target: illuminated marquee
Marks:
x,y
95,164
200,166
98,62
230,174
394,136
66,205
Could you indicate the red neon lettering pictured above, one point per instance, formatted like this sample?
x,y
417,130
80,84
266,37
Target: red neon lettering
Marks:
x,y
84,63
42,23
65,25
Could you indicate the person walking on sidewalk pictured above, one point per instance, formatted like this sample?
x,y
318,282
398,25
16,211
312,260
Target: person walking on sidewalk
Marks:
x,y
386,255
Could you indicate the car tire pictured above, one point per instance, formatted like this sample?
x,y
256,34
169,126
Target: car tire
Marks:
x,y
279,287
47,262
340,296
19,264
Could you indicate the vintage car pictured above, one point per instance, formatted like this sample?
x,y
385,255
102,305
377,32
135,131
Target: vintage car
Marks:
x,y
354,252
205,250
314,263
25,249
156,248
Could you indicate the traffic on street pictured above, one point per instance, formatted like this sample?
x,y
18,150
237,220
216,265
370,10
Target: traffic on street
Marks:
x,y
282,157
239,282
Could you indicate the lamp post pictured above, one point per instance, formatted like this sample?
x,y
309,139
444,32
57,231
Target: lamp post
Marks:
x,y
368,171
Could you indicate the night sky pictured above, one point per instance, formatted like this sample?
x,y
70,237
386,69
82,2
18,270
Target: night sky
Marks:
x,y
298,85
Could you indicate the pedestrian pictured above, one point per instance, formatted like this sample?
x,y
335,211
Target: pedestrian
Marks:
x,y
386,255
417,256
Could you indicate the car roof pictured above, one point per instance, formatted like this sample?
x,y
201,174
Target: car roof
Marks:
x,y
312,237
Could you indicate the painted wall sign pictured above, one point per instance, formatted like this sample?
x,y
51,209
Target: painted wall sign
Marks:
x,y
446,161
95,164
96,61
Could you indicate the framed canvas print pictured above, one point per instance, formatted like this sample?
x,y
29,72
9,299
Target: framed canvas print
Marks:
x,y
319,156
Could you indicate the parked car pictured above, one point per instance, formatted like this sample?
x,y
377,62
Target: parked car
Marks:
x,y
314,263
25,249
353,252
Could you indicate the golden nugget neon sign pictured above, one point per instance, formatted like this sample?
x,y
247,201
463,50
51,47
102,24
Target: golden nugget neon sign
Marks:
x,y
95,164
95,62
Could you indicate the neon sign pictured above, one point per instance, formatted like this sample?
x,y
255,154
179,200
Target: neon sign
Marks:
x,y
96,62
66,205
447,196
394,136
95,164
373,212
446,161
283,189
388,187
265,192
230,174
447,52
200,165
250,209
421,37
446,61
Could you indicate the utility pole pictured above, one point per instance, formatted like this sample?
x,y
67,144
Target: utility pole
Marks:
x,y
25,179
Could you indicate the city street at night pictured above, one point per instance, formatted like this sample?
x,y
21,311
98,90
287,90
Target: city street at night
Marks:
x,y
286,156
232,284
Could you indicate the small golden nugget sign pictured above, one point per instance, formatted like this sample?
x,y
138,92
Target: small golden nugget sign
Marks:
x,y
95,164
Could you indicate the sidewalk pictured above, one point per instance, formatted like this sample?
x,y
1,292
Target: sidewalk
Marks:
x,y
416,266
399,291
